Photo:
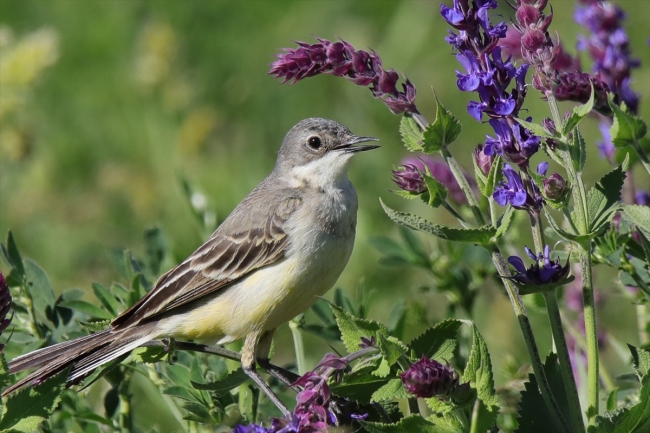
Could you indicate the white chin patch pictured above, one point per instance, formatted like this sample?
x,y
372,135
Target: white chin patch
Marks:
x,y
326,171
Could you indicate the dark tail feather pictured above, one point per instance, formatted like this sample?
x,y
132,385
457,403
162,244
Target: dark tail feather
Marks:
x,y
85,353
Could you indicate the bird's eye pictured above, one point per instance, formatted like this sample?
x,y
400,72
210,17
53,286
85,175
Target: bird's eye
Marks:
x,y
314,143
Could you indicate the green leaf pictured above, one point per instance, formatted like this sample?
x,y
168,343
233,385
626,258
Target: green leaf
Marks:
x,y
359,385
148,355
199,411
633,420
612,400
39,287
95,325
353,328
578,151
155,248
411,134
181,392
579,113
25,409
437,342
534,416
603,200
478,373
639,216
492,177
409,424
442,132
536,129
106,298
391,348
13,255
581,239
436,191
504,222
641,359
626,128
231,381
481,235
391,390
87,308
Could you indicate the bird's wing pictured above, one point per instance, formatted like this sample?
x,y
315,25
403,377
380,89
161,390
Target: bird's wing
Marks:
x,y
228,255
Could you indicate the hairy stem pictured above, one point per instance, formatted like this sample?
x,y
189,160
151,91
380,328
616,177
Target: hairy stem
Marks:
x,y
298,345
591,333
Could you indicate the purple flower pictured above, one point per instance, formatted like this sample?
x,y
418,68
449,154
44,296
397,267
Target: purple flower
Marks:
x,y
543,271
605,146
5,306
512,191
608,46
513,142
576,86
367,342
427,378
642,198
342,60
483,161
409,176
542,168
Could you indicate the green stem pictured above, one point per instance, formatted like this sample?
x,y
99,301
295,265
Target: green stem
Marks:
x,y
642,155
513,292
475,413
553,311
125,414
455,214
590,332
642,323
298,344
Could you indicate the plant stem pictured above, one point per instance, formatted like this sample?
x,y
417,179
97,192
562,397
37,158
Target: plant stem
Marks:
x,y
642,323
513,292
553,311
298,345
455,214
125,415
591,332
642,155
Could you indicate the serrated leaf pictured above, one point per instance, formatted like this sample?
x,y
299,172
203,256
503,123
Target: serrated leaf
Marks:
x,y
95,325
581,239
436,191
578,151
504,222
25,409
478,372
437,342
633,420
481,235
359,385
409,424
390,391
391,348
383,370
626,128
199,411
231,381
411,134
148,355
87,308
579,112
181,392
603,200
535,128
641,359
442,132
639,216
106,298
408,194
353,328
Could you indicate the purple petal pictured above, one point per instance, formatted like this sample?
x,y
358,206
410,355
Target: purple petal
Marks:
x,y
500,195
518,264
542,168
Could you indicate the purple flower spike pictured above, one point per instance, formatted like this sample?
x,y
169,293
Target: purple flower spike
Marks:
x,y
427,378
543,271
342,60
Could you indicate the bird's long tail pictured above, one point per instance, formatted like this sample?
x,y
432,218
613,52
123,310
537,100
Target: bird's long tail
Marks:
x,y
85,354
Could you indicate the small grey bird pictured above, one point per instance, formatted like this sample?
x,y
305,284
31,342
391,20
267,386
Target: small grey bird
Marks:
x,y
282,247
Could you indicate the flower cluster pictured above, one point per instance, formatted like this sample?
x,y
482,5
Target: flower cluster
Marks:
x,y
314,410
409,176
342,60
428,378
501,88
5,306
608,46
543,271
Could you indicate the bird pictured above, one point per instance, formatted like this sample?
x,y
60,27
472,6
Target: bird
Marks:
x,y
280,249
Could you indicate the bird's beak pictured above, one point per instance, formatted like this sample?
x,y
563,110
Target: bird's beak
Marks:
x,y
349,145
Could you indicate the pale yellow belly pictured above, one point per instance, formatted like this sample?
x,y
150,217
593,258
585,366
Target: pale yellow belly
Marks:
x,y
263,301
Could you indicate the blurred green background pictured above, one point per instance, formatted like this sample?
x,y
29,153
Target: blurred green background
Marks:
x,y
105,105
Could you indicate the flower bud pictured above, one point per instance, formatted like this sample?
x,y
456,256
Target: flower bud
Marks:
x,y
527,15
533,40
555,187
427,378
483,161
409,178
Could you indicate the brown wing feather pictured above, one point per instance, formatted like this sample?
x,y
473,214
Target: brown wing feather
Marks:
x,y
228,255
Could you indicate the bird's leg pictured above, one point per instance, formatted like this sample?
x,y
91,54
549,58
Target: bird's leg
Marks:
x,y
262,355
248,365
